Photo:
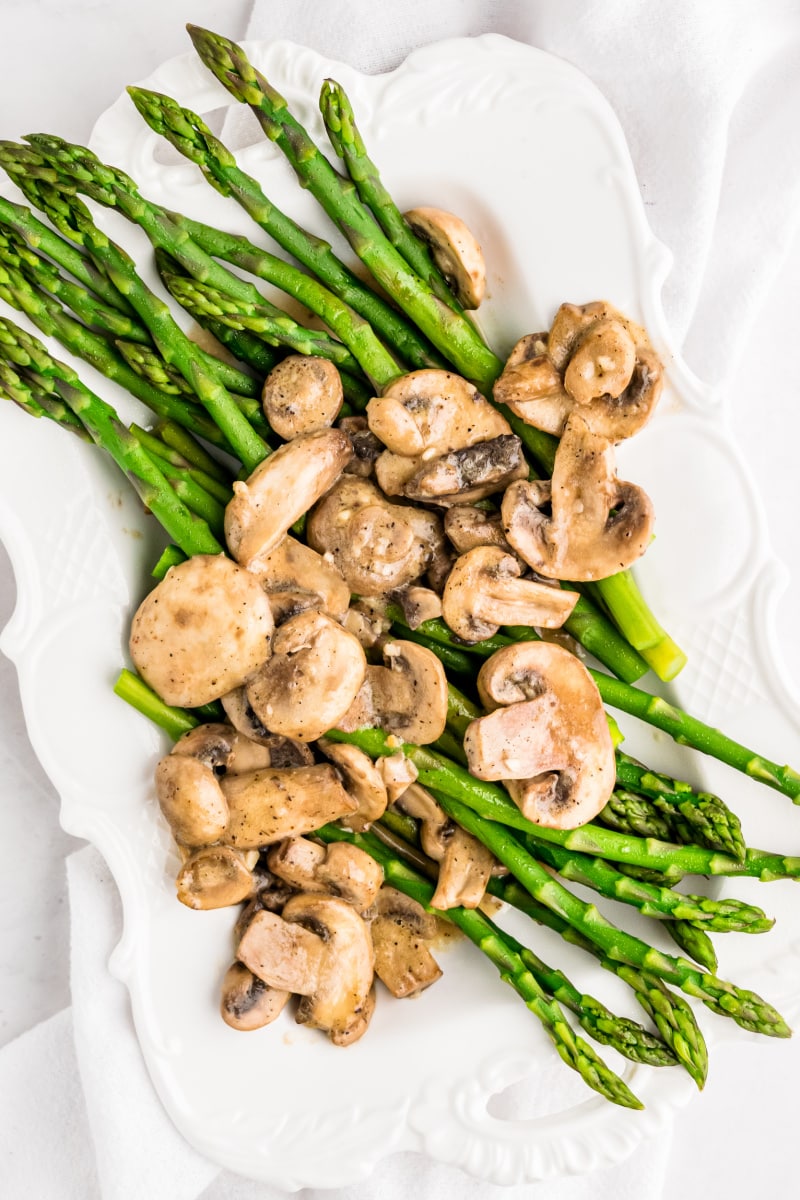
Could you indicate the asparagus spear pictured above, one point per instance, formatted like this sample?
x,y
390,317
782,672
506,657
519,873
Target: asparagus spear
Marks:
x,y
723,916
191,137
47,315
626,812
450,332
48,376
744,1007
673,1017
72,218
693,941
28,396
682,727
337,113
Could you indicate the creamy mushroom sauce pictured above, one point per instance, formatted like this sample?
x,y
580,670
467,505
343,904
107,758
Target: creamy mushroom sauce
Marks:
x,y
294,640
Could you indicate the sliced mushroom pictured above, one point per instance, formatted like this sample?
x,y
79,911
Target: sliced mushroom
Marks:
x,y
215,877
419,604
573,321
549,741
469,474
398,772
362,780
296,578
313,677
366,447
202,631
280,490
266,806
302,394
281,751
341,869
532,387
431,412
247,1002
465,865
598,524
191,799
367,621
377,546
484,591
455,250
285,956
407,697
468,527
400,929
271,897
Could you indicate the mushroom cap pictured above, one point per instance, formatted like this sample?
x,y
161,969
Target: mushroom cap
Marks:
x,y
532,387
549,739
212,744
407,697
455,250
202,631
285,956
311,680
191,799
266,806
400,928
432,412
602,363
280,490
484,591
346,969
296,578
377,546
599,525
214,877
247,1002
361,779
302,394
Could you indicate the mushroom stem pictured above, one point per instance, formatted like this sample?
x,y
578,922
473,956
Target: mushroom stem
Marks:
x,y
513,970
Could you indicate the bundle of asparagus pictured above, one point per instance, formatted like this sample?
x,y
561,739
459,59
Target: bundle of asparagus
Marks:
x,y
79,287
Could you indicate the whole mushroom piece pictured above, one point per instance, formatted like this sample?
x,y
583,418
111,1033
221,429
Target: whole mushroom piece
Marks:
x,y
302,394
598,525
547,738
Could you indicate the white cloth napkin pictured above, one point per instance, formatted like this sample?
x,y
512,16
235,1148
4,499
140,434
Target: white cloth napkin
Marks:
x,y
708,95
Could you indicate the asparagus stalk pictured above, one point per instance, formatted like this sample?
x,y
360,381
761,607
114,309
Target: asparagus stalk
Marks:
x,y
50,376
626,812
221,492
72,218
744,1007
683,728
450,332
695,942
28,396
672,1015
191,137
337,113
47,315
189,448
723,916
513,970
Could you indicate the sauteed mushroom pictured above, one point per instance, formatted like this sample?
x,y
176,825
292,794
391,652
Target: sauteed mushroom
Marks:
x,y
265,806
470,473
484,591
455,250
400,927
407,697
296,578
465,865
215,877
302,394
362,780
341,869
247,1002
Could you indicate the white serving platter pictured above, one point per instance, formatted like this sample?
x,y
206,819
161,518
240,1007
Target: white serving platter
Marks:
x,y
526,149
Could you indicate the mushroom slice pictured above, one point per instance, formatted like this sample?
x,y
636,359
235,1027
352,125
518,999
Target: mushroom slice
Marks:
x,y
281,751
366,447
191,799
468,527
455,250
549,741
367,621
602,363
293,574
432,412
484,591
532,387
377,546
419,604
470,473
340,1001
399,929
285,956
340,869
247,1002
212,744
598,524
280,490
362,780
465,865
398,772
573,321
302,394
311,680
203,630
407,697
266,806
214,877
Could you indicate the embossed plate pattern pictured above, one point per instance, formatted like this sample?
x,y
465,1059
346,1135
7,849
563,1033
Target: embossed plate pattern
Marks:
x,y
528,151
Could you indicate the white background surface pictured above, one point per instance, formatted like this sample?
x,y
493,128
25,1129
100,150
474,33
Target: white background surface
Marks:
x,y
63,64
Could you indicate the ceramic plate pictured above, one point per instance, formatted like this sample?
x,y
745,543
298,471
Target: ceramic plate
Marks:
x,y
530,154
